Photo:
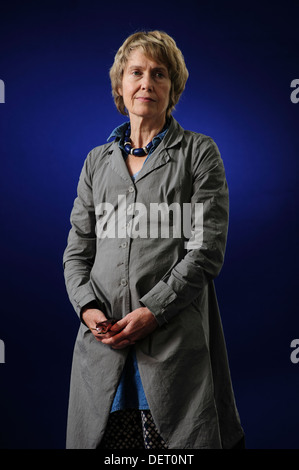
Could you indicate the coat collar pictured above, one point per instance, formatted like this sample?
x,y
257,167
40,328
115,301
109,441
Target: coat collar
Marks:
x,y
174,135
158,158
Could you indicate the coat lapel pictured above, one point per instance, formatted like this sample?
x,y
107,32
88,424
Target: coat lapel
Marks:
x,y
159,157
154,162
117,162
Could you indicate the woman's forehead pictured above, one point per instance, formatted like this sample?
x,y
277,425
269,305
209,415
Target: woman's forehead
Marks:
x,y
139,56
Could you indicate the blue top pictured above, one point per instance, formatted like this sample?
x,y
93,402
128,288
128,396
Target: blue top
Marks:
x,y
130,393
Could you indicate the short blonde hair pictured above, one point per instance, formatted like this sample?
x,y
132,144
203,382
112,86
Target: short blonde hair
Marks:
x,y
159,46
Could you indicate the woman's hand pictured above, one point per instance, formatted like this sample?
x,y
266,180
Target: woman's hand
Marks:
x,y
133,327
92,316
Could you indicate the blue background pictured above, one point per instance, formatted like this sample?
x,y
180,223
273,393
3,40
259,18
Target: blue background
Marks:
x,y
55,57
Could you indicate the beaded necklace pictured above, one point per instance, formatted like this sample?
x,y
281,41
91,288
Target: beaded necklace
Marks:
x,y
137,152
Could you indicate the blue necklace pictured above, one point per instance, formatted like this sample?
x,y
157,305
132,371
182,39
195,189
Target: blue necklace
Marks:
x,y
137,152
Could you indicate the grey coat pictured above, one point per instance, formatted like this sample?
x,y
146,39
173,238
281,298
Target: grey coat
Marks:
x,y
183,363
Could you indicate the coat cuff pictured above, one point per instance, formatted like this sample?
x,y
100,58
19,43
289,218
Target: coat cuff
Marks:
x,y
83,296
158,300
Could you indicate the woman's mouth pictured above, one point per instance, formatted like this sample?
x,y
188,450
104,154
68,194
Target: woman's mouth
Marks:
x,y
144,99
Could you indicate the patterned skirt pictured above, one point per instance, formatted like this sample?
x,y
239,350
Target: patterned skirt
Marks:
x,y
131,429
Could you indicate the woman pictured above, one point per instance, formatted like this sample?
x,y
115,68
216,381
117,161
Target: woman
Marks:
x,y
160,373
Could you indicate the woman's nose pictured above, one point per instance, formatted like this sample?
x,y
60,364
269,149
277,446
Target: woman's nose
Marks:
x,y
147,82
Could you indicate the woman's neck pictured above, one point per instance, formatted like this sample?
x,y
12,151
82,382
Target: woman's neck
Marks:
x,y
143,131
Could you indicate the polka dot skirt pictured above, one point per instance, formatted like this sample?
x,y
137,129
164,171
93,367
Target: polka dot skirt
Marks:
x,y
131,429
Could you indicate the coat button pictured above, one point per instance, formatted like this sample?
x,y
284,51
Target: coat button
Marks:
x,y
123,282
124,244
131,189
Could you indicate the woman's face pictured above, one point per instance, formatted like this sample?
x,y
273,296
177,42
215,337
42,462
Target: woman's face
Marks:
x,y
145,86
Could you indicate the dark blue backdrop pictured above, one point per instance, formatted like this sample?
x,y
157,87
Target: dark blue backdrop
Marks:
x,y
55,57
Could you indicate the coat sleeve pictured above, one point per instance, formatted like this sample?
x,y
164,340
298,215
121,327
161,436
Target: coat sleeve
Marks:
x,y
202,262
79,255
